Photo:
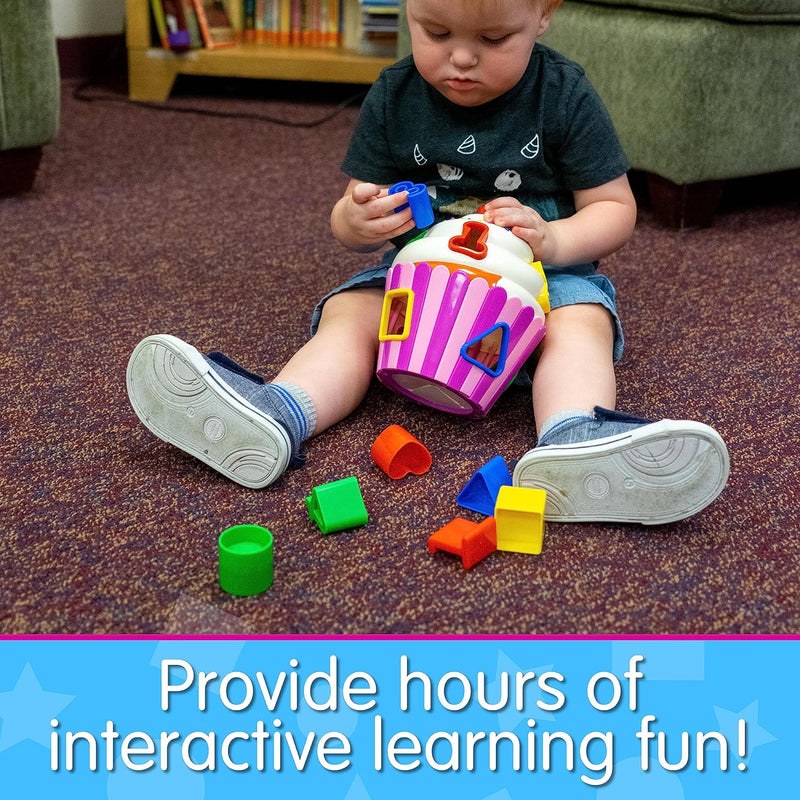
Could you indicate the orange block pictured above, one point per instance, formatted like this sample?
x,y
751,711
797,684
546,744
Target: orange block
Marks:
x,y
473,541
397,453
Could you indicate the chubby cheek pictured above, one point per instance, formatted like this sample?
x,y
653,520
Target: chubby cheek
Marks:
x,y
504,73
428,63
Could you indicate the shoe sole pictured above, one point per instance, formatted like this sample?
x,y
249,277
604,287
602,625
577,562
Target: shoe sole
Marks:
x,y
662,472
180,399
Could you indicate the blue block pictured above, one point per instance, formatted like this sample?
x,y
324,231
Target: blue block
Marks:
x,y
418,199
480,493
420,202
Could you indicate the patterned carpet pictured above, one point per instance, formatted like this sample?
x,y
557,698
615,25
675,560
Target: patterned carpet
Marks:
x,y
215,229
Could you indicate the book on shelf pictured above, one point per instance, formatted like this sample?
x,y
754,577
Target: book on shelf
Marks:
x,y
215,23
249,20
186,24
379,21
179,24
192,23
176,24
177,35
292,22
161,22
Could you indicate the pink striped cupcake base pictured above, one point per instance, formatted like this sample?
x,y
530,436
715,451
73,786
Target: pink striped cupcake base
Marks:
x,y
450,309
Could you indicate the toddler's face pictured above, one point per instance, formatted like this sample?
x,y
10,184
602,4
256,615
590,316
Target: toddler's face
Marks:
x,y
472,51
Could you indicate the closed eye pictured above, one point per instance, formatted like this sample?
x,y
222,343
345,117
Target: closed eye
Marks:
x,y
437,37
491,40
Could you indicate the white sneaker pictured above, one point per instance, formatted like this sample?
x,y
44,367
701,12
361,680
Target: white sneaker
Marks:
x,y
657,473
182,400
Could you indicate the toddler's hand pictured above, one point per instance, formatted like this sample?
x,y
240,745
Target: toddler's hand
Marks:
x,y
369,214
524,222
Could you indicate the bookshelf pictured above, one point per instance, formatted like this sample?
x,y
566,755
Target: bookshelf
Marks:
x,y
152,70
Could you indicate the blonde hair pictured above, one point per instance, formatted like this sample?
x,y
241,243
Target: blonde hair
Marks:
x,y
549,6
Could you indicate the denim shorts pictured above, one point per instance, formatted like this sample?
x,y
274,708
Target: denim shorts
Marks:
x,y
566,286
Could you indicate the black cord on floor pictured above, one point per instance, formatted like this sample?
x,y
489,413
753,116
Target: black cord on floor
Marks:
x,y
81,93
117,56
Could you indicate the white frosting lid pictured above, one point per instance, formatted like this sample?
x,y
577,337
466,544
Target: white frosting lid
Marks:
x,y
475,244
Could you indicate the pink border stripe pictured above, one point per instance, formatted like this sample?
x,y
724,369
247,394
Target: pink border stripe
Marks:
x,y
626,637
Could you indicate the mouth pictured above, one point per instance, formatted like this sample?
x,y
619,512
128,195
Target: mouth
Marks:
x,y
461,84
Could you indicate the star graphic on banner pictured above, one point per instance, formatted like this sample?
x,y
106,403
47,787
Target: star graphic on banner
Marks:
x,y
509,718
501,795
729,727
27,710
357,790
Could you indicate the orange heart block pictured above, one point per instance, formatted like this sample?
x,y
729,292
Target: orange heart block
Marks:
x,y
398,453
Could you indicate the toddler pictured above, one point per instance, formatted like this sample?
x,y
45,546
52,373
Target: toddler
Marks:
x,y
486,117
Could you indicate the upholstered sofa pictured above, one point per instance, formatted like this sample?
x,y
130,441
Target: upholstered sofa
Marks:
x,y
700,91
29,90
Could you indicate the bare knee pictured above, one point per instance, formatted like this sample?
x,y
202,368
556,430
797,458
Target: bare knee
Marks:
x,y
579,322
351,320
357,309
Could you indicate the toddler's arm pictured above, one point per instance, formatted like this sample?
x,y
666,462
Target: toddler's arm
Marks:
x,y
364,219
603,221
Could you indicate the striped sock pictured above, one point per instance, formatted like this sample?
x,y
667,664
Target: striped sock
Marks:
x,y
556,426
576,425
286,403
290,405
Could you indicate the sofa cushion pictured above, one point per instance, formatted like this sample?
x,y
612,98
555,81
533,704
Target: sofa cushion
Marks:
x,y
693,98
29,79
734,10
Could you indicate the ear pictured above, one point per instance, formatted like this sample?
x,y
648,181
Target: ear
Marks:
x,y
550,9
544,24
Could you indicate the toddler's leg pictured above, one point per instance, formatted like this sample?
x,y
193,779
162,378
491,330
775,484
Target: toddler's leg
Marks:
x,y
600,465
335,367
247,429
576,368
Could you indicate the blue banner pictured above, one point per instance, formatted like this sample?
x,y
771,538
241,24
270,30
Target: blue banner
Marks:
x,y
361,719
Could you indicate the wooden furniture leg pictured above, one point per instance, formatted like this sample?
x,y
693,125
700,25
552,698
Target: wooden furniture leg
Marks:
x,y
18,169
688,205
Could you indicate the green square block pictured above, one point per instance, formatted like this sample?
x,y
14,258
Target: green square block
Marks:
x,y
337,506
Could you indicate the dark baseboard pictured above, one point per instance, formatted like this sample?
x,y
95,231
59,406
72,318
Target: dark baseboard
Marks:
x,y
84,57
18,169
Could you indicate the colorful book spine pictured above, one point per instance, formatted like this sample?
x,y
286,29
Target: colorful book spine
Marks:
x,y
178,37
296,25
285,23
190,15
249,16
293,22
214,24
335,23
161,23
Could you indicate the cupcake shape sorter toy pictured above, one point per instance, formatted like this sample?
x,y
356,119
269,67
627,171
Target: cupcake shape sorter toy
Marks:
x,y
464,309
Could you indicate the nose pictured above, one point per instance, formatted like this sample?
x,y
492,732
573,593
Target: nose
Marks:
x,y
463,57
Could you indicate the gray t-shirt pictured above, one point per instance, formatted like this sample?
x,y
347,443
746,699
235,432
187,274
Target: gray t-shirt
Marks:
x,y
546,137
